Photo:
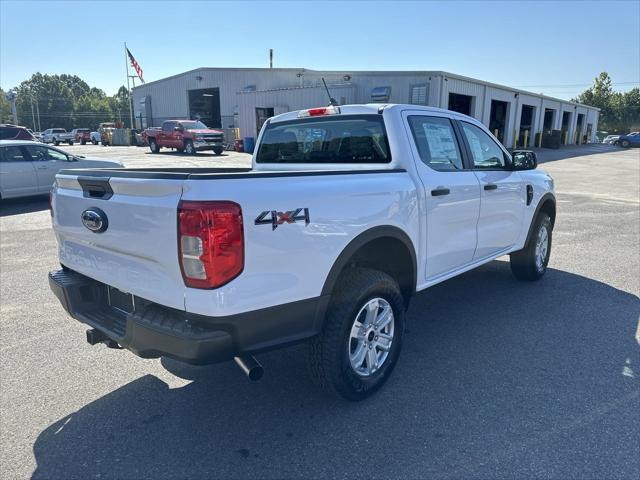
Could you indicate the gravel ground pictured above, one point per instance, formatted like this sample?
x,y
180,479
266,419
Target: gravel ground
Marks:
x,y
497,379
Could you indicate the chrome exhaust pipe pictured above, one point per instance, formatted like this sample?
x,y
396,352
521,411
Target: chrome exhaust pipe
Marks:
x,y
250,366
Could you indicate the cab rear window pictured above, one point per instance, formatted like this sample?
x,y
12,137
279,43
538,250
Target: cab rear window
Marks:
x,y
331,139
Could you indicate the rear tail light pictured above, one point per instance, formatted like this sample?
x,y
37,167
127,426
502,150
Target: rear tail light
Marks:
x,y
317,112
210,243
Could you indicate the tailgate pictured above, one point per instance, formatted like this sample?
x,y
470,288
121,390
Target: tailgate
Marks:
x,y
137,251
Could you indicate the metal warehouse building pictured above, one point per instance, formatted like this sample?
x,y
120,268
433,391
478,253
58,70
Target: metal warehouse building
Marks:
x,y
245,97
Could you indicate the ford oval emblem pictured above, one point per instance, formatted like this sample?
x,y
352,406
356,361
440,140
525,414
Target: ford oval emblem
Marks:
x,y
95,220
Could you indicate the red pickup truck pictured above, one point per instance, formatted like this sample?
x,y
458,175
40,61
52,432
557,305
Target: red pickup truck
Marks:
x,y
188,136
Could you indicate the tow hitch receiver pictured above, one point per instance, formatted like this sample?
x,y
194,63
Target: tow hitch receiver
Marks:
x,y
95,336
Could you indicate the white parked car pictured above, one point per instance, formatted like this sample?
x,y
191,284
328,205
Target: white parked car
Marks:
x,y
346,213
29,168
611,139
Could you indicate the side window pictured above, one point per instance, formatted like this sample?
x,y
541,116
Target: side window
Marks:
x,y
12,154
37,154
436,143
168,127
56,155
485,151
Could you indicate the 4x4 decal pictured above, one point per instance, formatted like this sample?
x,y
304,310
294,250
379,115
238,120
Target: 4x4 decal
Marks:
x,y
275,218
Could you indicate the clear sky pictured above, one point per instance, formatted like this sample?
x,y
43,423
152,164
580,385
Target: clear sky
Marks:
x,y
556,48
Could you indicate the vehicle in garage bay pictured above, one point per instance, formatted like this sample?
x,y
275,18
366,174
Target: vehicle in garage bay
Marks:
x,y
346,213
189,136
29,168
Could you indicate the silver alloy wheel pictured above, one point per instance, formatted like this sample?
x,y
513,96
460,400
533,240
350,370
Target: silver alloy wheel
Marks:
x,y
189,148
542,247
371,337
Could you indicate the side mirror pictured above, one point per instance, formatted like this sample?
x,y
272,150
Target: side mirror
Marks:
x,y
178,129
524,160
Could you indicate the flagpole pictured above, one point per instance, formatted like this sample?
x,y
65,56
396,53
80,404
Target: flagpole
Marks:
x,y
126,62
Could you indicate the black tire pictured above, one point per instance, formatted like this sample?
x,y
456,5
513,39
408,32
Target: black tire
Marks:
x,y
218,150
329,357
95,142
83,142
189,148
625,143
56,142
70,142
523,263
153,145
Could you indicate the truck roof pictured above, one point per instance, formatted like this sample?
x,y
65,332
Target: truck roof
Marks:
x,y
372,108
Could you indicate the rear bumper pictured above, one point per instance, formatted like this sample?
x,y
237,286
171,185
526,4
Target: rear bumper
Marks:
x,y
153,330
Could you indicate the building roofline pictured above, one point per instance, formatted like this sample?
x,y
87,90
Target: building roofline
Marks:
x,y
376,72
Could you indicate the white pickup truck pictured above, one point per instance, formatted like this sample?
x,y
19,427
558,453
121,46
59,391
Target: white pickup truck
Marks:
x,y
57,136
345,214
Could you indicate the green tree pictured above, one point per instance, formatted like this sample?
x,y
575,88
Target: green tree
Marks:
x,y
619,112
5,107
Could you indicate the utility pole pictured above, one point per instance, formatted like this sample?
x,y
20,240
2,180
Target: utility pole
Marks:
x,y
33,117
38,114
271,58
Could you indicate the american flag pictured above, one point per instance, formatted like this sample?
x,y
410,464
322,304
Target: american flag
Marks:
x,y
135,65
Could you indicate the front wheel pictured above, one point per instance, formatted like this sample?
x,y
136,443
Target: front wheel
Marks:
x,y
625,144
218,150
531,262
189,148
153,146
95,142
362,336
70,142
56,142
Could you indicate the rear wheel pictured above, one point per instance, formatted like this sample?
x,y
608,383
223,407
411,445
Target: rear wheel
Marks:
x,y
189,148
153,145
531,262
70,142
218,150
56,142
94,141
361,340
83,142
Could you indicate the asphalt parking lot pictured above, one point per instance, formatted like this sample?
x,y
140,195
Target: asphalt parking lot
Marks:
x,y
497,379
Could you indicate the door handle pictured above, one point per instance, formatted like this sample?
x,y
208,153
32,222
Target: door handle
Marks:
x,y
438,192
491,186
42,167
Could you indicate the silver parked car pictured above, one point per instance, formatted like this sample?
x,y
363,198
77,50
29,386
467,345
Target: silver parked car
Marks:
x,y
29,168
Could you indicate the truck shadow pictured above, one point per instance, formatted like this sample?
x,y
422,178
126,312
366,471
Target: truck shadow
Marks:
x,y
497,378
17,206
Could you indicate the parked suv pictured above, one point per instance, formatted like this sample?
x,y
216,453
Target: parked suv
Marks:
x,y
14,132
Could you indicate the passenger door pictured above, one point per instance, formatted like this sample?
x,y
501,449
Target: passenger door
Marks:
x,y
17,175
502,193
166,135
47,162
452,192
